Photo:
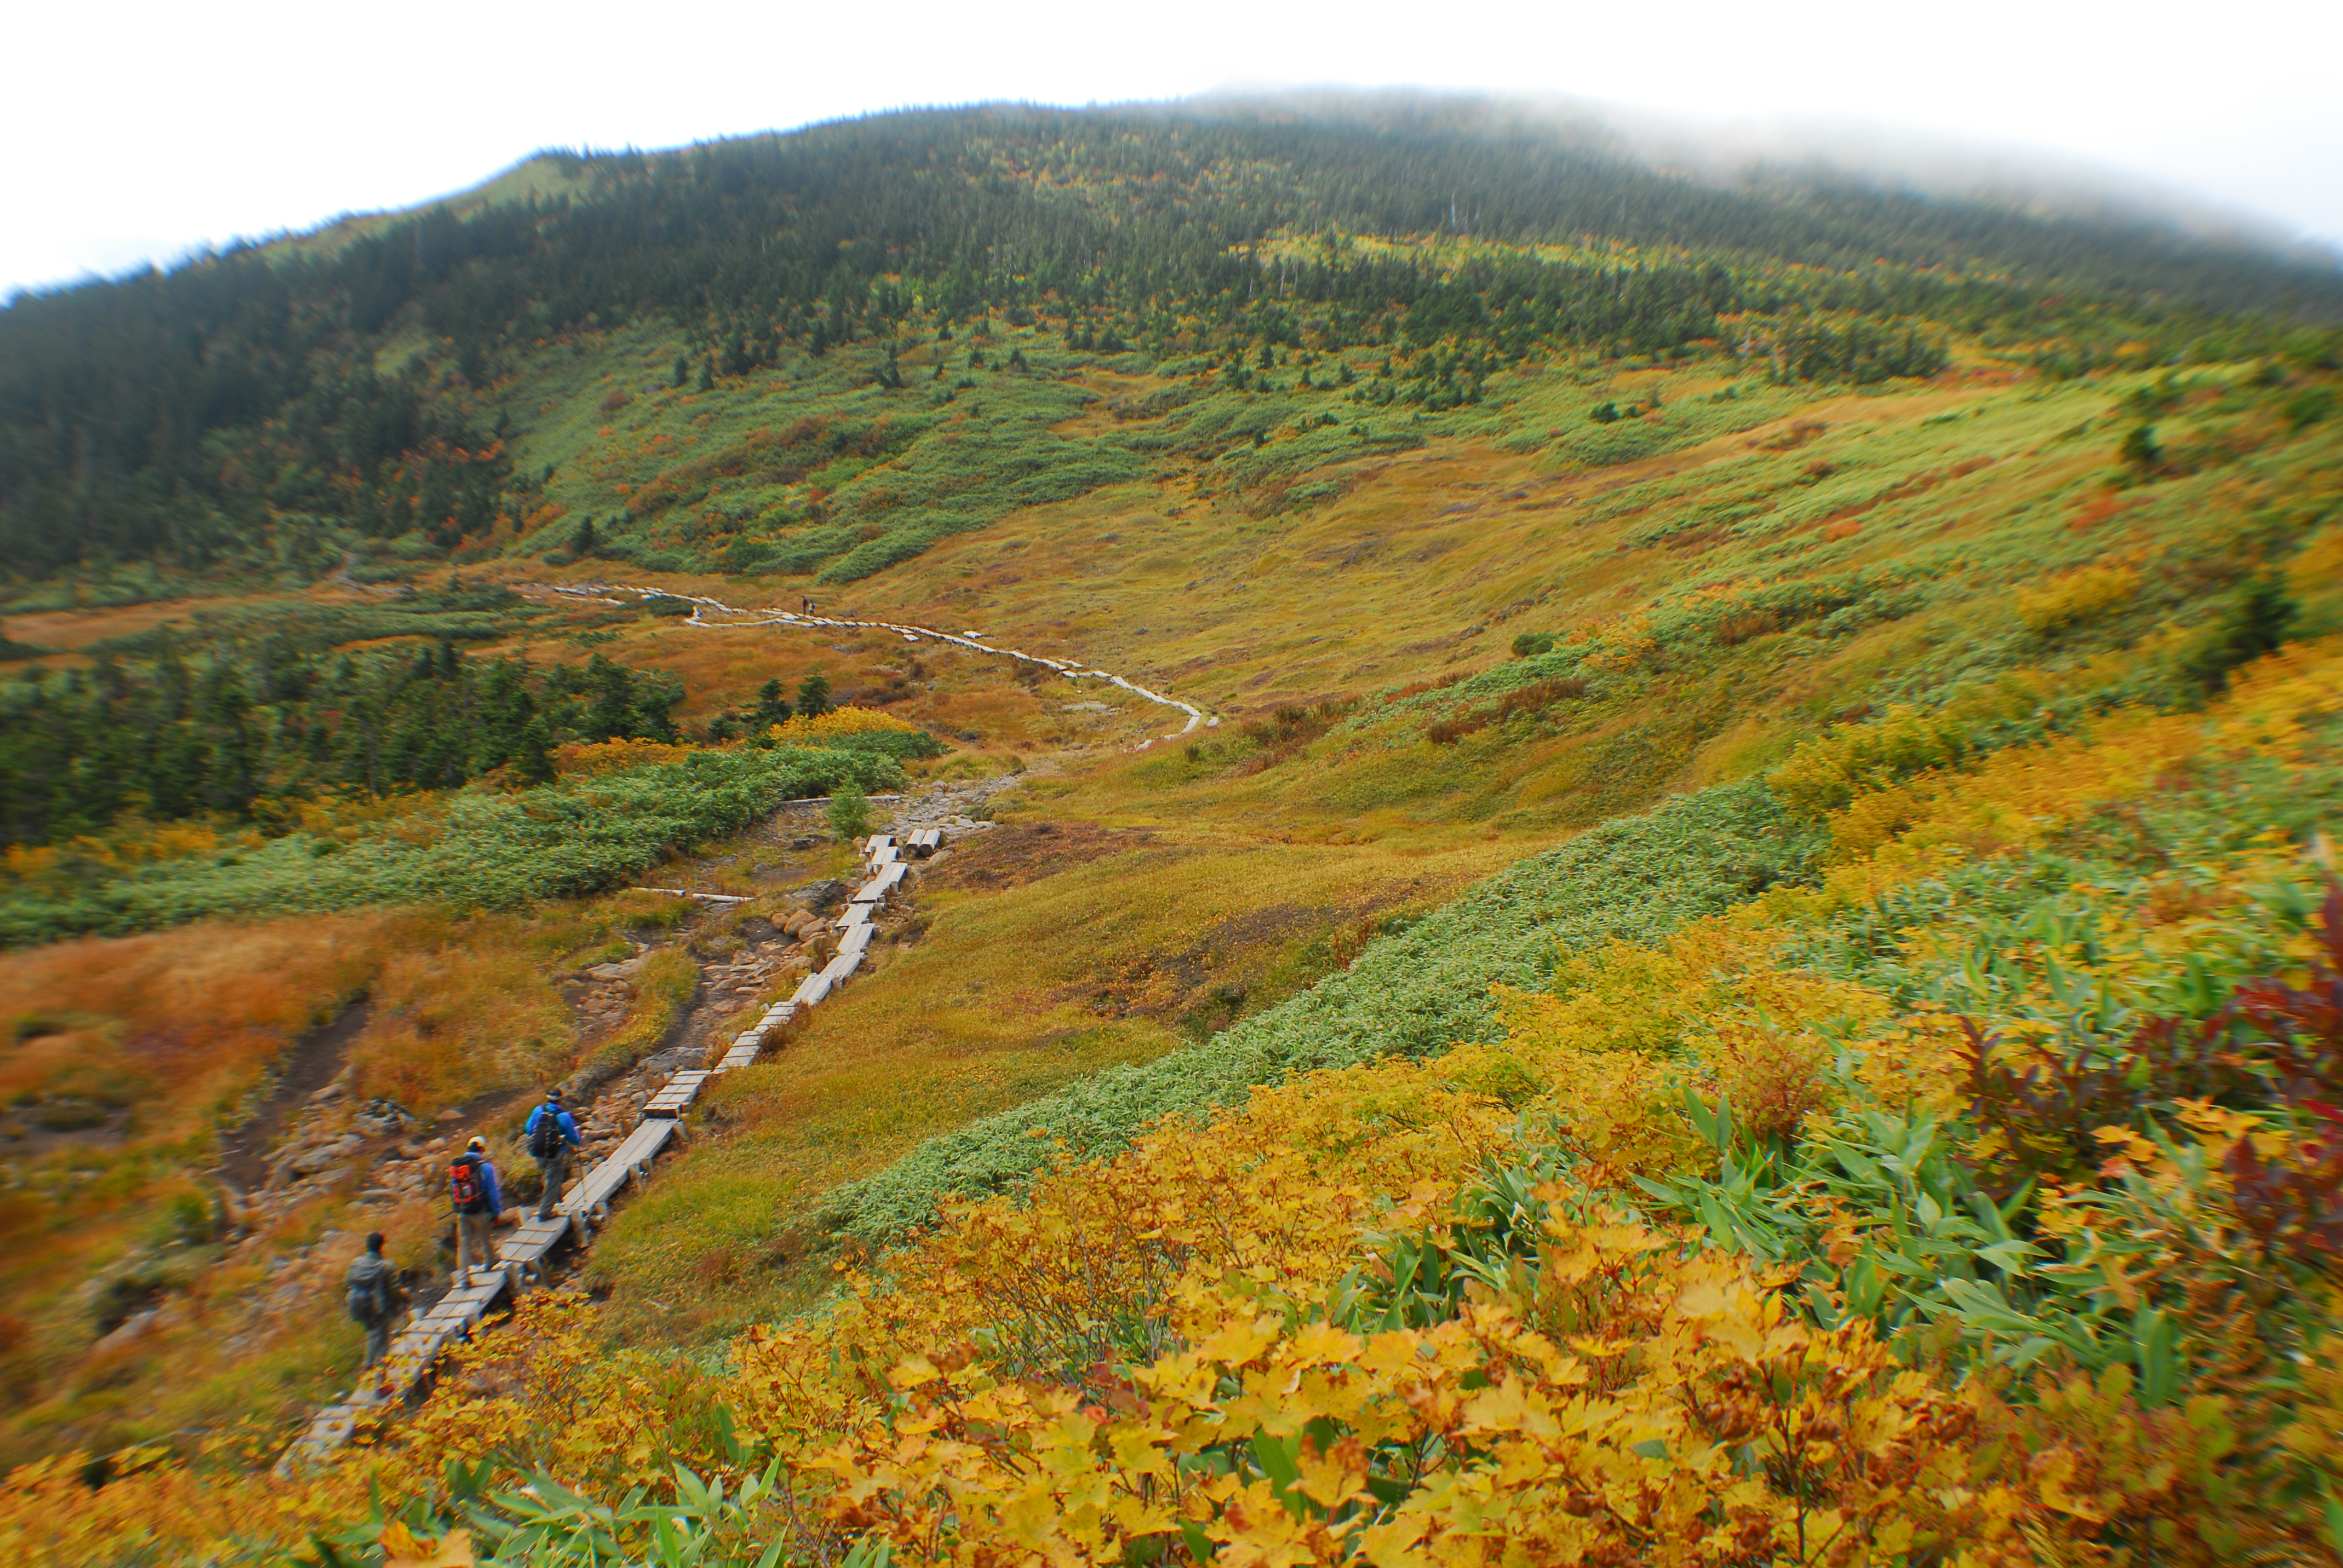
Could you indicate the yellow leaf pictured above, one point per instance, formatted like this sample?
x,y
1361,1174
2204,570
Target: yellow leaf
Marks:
x,y
1322,1344
911,1372
401,1550
1240,1342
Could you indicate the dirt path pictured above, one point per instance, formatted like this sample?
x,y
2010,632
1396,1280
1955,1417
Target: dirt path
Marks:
x,y
316,1060
971,642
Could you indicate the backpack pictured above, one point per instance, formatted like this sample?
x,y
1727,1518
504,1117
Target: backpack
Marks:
x,y
464,1182
370,1291
544,1139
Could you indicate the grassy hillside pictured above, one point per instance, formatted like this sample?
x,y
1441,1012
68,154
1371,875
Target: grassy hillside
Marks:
x,y
265,410
1670,676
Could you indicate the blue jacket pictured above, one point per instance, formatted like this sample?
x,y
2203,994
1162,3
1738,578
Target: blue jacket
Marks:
x,y
492,1197
568,1126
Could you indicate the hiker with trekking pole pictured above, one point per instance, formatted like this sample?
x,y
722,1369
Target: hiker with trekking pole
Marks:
x,y
553,1144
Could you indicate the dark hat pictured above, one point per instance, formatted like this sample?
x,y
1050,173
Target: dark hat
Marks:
x,y
553,1094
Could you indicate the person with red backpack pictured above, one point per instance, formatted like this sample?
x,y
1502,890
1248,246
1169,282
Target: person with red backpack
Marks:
x,y
472,1184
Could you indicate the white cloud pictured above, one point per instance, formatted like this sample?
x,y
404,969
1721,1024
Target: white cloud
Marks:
x,y
140,130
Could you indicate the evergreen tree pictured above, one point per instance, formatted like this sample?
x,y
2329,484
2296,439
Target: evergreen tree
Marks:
x,y
532,756
813,695
584,542
772,708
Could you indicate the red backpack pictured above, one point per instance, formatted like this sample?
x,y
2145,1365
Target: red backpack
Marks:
x,y
464,1182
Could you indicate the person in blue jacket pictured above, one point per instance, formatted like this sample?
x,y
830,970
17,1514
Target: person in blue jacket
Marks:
x,y
472,1184
553,1141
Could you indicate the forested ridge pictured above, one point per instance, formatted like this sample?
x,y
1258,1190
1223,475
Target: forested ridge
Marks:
x,y
260,406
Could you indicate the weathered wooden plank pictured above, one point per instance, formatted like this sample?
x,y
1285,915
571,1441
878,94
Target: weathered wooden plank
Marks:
x,y
811,991
856,938
843,965
598,1185
856,915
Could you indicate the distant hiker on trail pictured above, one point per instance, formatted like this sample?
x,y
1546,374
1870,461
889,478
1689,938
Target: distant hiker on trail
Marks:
x,y
472,1184
373,1297
553,1142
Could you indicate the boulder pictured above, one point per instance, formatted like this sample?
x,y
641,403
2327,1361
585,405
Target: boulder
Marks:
x,y
826,894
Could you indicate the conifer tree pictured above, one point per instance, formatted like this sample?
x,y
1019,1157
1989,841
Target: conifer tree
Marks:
x,y
813,695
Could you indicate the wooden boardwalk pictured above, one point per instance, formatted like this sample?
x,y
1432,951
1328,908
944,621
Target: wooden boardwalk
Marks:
x,y
406,1374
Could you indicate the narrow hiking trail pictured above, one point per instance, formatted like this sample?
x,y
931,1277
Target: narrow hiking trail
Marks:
x,y
622,1160
972,641
627,1136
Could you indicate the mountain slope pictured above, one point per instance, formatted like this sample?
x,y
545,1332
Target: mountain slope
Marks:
x,y
264,408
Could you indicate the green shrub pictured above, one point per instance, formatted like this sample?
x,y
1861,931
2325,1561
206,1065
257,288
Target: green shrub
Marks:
x,y
849,812
1414,992
485,849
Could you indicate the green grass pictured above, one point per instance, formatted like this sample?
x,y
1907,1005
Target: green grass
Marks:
x,y
479,847
816,468
1412,993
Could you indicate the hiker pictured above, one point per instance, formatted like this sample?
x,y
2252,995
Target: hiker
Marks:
x,y
553,1142
373,1297
472,1184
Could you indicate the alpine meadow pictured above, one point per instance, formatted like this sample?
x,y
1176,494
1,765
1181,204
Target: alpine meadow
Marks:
x,y
1341,830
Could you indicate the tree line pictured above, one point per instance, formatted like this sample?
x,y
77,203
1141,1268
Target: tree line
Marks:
x,y
187,415
246,734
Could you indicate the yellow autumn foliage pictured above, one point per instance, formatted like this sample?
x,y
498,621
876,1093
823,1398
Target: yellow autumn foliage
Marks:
x,y
1163,1356
800,731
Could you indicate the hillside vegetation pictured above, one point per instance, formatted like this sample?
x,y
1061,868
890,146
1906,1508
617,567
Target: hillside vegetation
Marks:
x,y
1744,973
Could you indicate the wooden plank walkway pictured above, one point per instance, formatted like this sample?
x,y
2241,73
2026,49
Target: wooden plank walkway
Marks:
x,y
406,1374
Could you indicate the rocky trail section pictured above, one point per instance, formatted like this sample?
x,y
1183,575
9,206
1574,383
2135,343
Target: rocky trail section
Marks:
x,y
625,1129
973,641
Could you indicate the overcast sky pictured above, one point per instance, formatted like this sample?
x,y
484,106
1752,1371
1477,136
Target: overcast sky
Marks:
x,y
137,131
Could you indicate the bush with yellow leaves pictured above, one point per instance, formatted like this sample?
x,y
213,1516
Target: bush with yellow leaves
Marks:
x,y
831,725
1881,1220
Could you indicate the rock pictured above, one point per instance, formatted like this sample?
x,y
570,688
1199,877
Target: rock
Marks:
x,y
625,969
311,1160
668,1062
381,1117
826,894
133,1328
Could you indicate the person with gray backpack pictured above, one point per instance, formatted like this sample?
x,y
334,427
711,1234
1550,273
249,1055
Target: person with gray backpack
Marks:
x,y
372,1295
553,1141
